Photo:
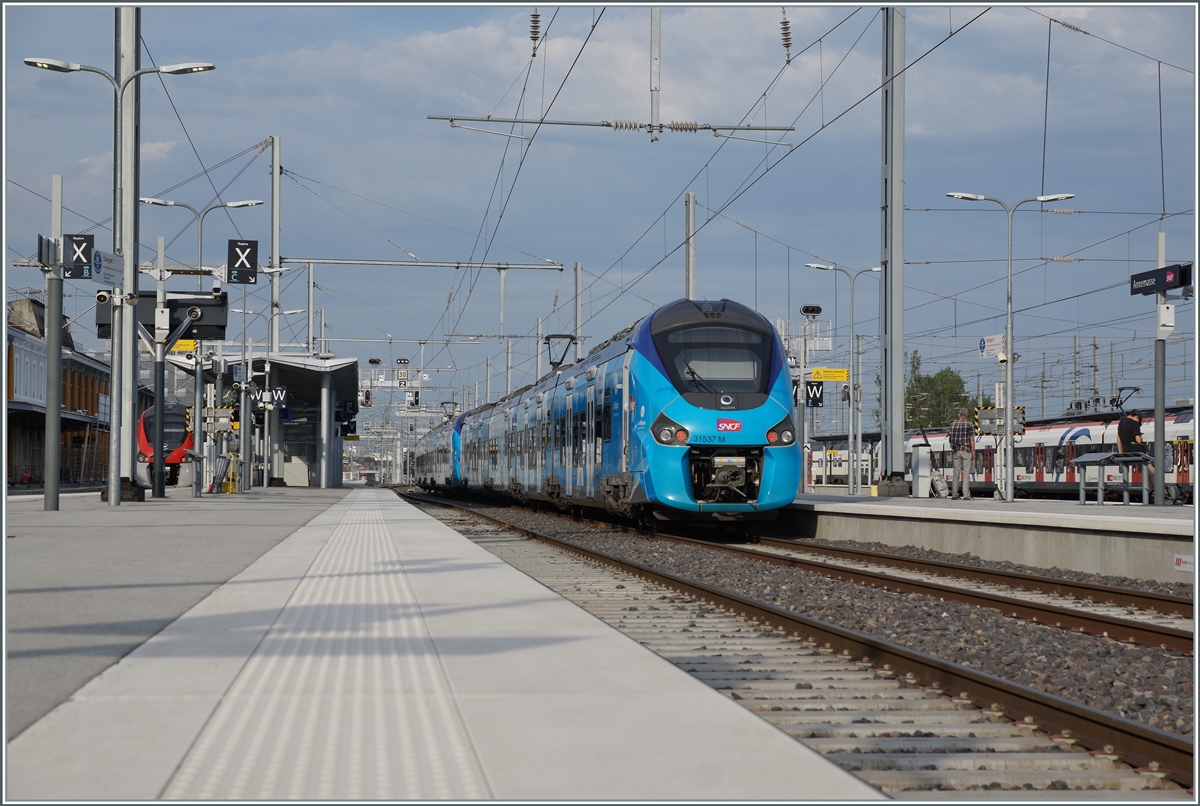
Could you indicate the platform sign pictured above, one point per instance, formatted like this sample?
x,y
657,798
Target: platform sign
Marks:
x,y
239,373
108,269
830,374
77,263
814,394
241,267
1164,279
991,346
184,346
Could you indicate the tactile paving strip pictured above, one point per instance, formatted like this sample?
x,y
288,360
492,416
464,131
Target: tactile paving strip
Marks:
x,y
345,697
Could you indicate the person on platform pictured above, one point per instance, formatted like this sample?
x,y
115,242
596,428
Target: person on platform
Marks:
x,y
962,443
1129,433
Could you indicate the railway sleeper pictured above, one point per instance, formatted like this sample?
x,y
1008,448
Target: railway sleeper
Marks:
x,y
831,729
905,717
846,704
937,744
900,780
973,761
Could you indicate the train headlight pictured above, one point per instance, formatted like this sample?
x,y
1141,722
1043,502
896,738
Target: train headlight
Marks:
x,y
782,433
668,432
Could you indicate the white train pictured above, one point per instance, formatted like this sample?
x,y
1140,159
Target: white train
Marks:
x,y
1043,455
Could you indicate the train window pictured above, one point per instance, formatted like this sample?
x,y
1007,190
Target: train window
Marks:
x,y
711,359
606,421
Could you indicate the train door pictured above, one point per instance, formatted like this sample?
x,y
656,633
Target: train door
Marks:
x,y
989,463
540,434
1069,451
1183,461
1039,462
626,411
568,446
589,452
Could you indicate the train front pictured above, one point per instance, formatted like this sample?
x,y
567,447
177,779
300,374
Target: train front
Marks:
x,y
712,418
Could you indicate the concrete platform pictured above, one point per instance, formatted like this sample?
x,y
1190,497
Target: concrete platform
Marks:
x,y
377,654
1135,541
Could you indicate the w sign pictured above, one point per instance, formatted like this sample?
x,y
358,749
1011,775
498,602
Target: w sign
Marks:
x,y
814,394
241,264
272,394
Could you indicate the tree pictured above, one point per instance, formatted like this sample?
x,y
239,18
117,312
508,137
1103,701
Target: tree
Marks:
x,y
931,401
934,400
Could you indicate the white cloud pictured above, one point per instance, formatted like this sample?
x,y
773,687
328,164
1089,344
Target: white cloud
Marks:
x,y
98,165
159,150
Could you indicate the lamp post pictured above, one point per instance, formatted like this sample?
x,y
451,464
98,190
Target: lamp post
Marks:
x,y
117,429
852,478
198,404
1010,359
269,319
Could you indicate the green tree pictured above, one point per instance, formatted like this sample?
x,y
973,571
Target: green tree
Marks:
x,y
931,401
934,400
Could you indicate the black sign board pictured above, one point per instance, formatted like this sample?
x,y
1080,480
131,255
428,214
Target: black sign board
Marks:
x,y
814,394
214,313
77,257
241,264
1164,279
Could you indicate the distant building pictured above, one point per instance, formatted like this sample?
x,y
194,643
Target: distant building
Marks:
x,y
83,450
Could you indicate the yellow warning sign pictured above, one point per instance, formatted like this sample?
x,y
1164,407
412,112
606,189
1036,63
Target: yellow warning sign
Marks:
x,y
184,346
830,374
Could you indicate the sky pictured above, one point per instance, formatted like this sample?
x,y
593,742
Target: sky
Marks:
x,y
1004,101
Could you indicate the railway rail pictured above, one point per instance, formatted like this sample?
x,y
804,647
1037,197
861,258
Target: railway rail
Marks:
x,y
883,710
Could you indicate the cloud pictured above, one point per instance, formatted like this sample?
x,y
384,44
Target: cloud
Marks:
x,y
159,150
98,165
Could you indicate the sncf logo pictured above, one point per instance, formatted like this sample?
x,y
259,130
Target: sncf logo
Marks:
x,y
728,425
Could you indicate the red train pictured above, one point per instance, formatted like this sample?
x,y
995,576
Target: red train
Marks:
x,y
178,441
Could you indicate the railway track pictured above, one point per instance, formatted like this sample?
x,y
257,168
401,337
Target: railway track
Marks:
x,y
908,723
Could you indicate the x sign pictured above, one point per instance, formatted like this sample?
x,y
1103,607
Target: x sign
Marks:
x,y
242,263
78,265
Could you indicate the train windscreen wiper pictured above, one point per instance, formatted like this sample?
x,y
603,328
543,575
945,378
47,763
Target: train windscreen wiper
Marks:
x,y
696,379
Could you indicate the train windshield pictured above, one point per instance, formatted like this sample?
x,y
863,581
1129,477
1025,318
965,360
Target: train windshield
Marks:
x,y
175,427
716,359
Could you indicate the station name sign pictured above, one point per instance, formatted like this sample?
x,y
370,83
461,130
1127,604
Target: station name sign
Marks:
x,y
1164,279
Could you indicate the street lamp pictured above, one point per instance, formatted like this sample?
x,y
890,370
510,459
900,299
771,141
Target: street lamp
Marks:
x,y
198,407
116,371
852,478
1009,469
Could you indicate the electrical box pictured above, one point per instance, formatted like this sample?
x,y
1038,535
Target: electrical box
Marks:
x,y
1166,320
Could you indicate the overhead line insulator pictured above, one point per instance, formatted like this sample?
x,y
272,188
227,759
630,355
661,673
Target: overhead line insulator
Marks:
x,y
535,25
626,126
684,126
785,28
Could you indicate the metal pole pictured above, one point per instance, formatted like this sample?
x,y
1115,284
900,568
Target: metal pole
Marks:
x,y
892,260
857,393
114,401
538,376
311,313
802,403
125,228
488,384
1160,390
51,452
689,254
162,331
851,483
502,273
1009,468
578,311
508,368
655,68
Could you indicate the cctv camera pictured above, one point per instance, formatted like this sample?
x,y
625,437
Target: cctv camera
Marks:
x,y
217,290
103,297
131,299
189,357
194,313
1003,358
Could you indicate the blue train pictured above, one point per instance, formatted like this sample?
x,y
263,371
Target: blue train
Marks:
x,y
686,414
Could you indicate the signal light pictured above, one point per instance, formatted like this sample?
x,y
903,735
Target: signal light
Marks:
x,y
366,398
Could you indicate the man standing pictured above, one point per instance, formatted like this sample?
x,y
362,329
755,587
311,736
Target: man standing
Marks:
x,y
962,443
1129,433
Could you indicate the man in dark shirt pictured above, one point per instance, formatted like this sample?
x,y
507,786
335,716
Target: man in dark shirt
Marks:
x,y
1129,433
962,443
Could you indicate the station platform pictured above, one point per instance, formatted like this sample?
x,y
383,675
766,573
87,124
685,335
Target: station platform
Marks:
x,y
1137,541
355,649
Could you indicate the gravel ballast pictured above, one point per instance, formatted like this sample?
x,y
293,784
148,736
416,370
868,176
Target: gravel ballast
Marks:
x,y
1151,686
